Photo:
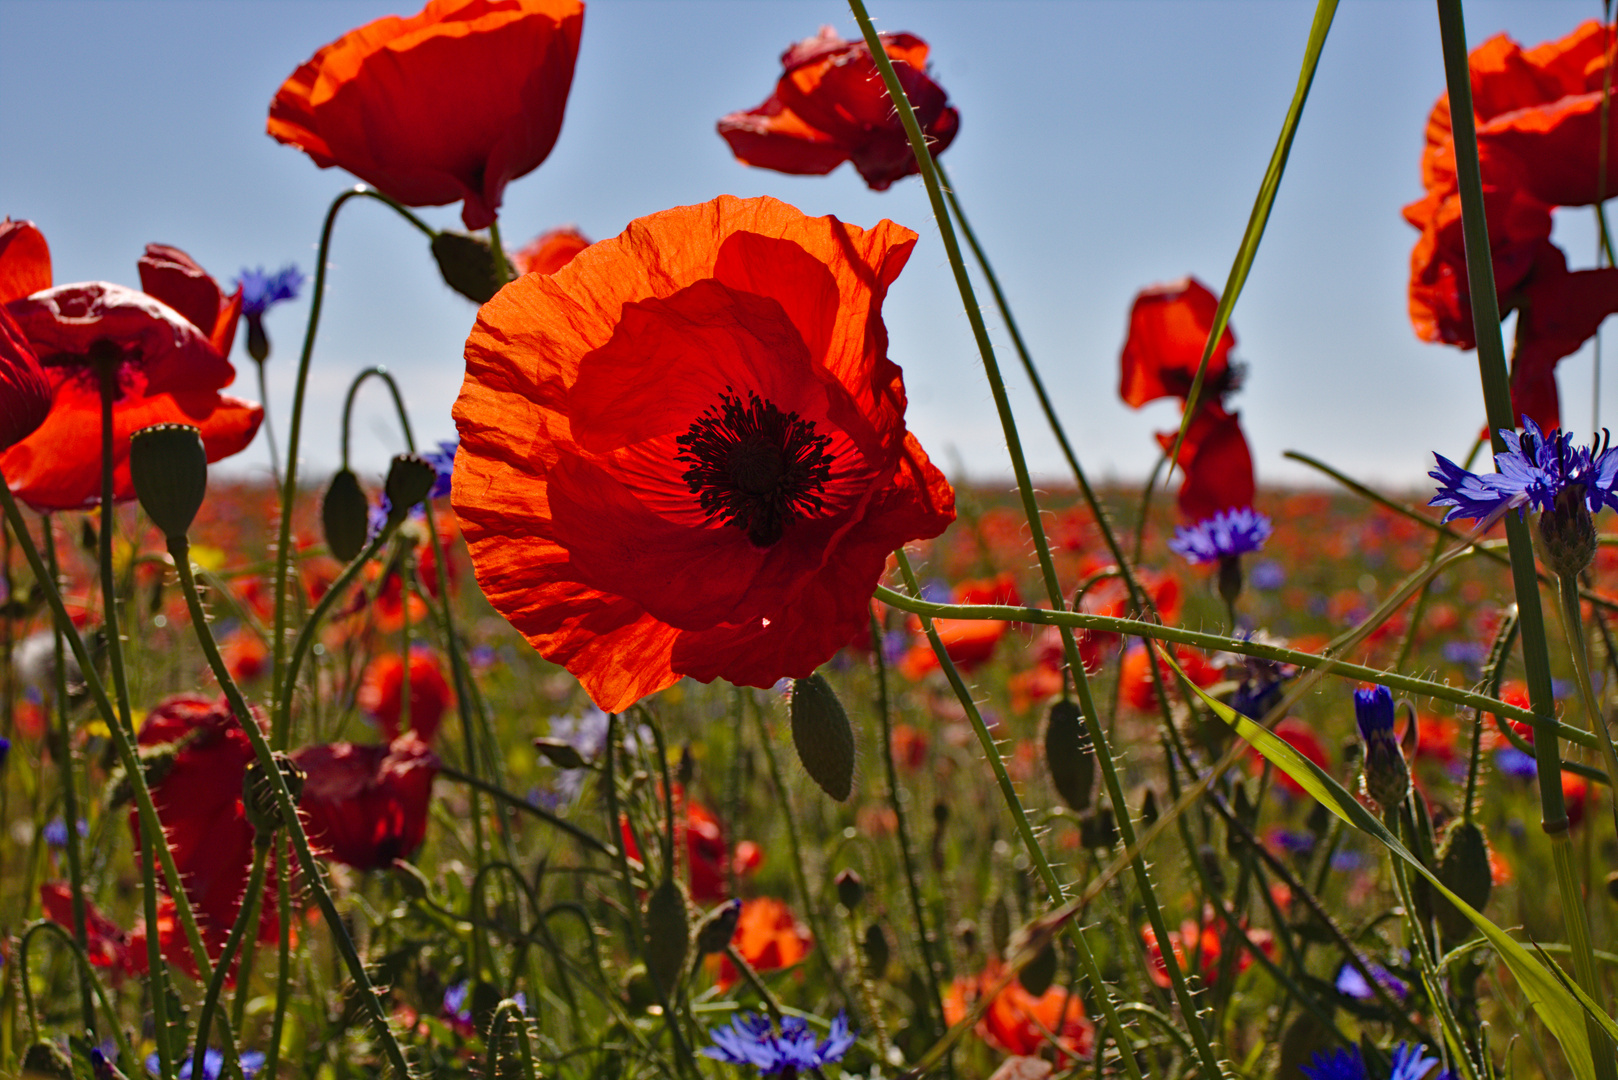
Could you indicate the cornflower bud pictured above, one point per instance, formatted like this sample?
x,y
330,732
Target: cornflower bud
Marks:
x,y
1386,777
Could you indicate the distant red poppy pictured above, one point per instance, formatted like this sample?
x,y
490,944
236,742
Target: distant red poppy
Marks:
x,y
1217,463
1135,677
25,260
1302,738
1206,942
831,106
1168,329
768,936
970,643
450,104
1538,126
684,454
706,850
381,693
549,252
199,801
365,806
1017,1022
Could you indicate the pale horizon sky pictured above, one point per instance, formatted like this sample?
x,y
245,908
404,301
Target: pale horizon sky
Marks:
x,y
1105,145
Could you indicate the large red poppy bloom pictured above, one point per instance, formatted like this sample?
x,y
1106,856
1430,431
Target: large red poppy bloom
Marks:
x,y
1217,462
366,806
25,395
450,104
1168,329
1538,122
684,454
831,106
199,801
169,368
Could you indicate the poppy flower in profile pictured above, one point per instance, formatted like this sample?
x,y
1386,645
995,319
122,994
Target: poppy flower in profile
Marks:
x,y
684,453
832,106
175,278
1017,1022
199,802
366,806
768,936
448,105
1168,329
549,252
25,260
381,693
1217,462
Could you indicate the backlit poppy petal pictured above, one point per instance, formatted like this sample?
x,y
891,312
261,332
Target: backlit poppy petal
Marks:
x,y
175,278
1168,329
1217,462
549,252
25,260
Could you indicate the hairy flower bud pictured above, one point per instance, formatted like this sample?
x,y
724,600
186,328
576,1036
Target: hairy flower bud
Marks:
x,y
718,927
850,889
467,263
823,736
1068,756
668,935
1464,868
410,478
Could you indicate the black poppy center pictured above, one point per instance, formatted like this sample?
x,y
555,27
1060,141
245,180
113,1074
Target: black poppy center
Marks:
x,y
755,467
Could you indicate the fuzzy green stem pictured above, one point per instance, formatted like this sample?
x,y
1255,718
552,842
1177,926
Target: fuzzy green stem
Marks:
x,y
245,916
1573,629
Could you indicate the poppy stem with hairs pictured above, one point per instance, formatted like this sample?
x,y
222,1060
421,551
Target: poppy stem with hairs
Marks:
x,y
1573,630
87,976
1025,828
1126,827
1502,417
246,915
314,881
502,268
123,744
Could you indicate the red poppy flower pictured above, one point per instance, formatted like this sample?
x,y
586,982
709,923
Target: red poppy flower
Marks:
x,y
175,278
106,943
705,850
1135,678
1538,125
1207,942
366,806
381,693
25,260
450,104
1217,463
1302,738
684,454
768,936
549,252
1168,329
831,106
1017,1022
25,395
199,801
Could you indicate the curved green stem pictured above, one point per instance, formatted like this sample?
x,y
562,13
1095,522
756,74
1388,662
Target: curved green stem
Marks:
x,y
283,968
87,978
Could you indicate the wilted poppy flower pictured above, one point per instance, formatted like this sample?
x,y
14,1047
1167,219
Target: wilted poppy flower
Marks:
x,y
768,936
1017,1022
450,104
549,252
25,260
366,806
684,454
381,693
198,798
832,106
1538,115
1168,329
1217,463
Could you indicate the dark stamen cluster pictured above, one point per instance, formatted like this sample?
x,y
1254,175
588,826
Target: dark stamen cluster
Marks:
x,y
754,466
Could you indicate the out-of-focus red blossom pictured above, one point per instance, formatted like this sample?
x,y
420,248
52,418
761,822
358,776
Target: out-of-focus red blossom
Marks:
x,y
1577,794
366,806
106,944
450,104
1207,940
244,654
910,747
25,260
1436,738
768,936
831,106
199,801
634,558
1302,738
970,643
549,252
175,278
705,850
1016,1022
381,693
1538,114
1216,461
1135,677
25,395
1168,329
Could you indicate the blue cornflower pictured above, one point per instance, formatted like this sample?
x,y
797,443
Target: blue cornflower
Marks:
x,y
55,832
1534,470
1353,984
1410,1062
1387,777
5,749
1226,534
443,462
213,1064
262,291
750,1040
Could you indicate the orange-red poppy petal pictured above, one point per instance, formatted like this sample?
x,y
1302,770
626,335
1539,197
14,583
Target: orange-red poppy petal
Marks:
x,y
25,260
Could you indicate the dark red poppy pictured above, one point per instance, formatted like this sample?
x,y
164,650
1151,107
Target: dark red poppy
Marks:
x,y
706,851
1168,329
831,106
1216,461
381,693
1017,1022
366,806
684,454
106,943
448,105
25,260
198,798
549,252
1538,124
25,394
175,278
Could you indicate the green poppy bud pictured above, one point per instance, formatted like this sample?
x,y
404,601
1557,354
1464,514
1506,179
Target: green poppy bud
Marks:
x,y
1463,867
668,935
718,927
850,889
823,736
169,466
259,803
467,263
1037,976
344,515
1068,756
410,478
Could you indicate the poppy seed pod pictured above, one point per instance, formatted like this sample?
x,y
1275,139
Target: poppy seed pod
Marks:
x,y
467,263
410,478
169,467
1463,867
718,927
823,736
344,516
667,935
1068,756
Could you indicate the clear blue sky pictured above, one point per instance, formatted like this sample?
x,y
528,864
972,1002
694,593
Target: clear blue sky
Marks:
x,y
1104,146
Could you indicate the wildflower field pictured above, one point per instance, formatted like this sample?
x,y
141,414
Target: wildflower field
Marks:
x,y
683,718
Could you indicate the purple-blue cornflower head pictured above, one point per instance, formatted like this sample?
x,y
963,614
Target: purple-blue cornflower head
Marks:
x,y
1341,1063
5,749
1353,984
55,832
262,291
213,1064
1226,534
750,1040
457,1002
443,462
1410,1062
1514,763
1387,776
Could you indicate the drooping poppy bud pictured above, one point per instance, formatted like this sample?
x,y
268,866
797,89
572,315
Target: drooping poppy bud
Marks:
x,y
467,263
1387,776
343,516
410,479
169,466
1068,755
258,796
823,736
667,934
877,950
717,928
